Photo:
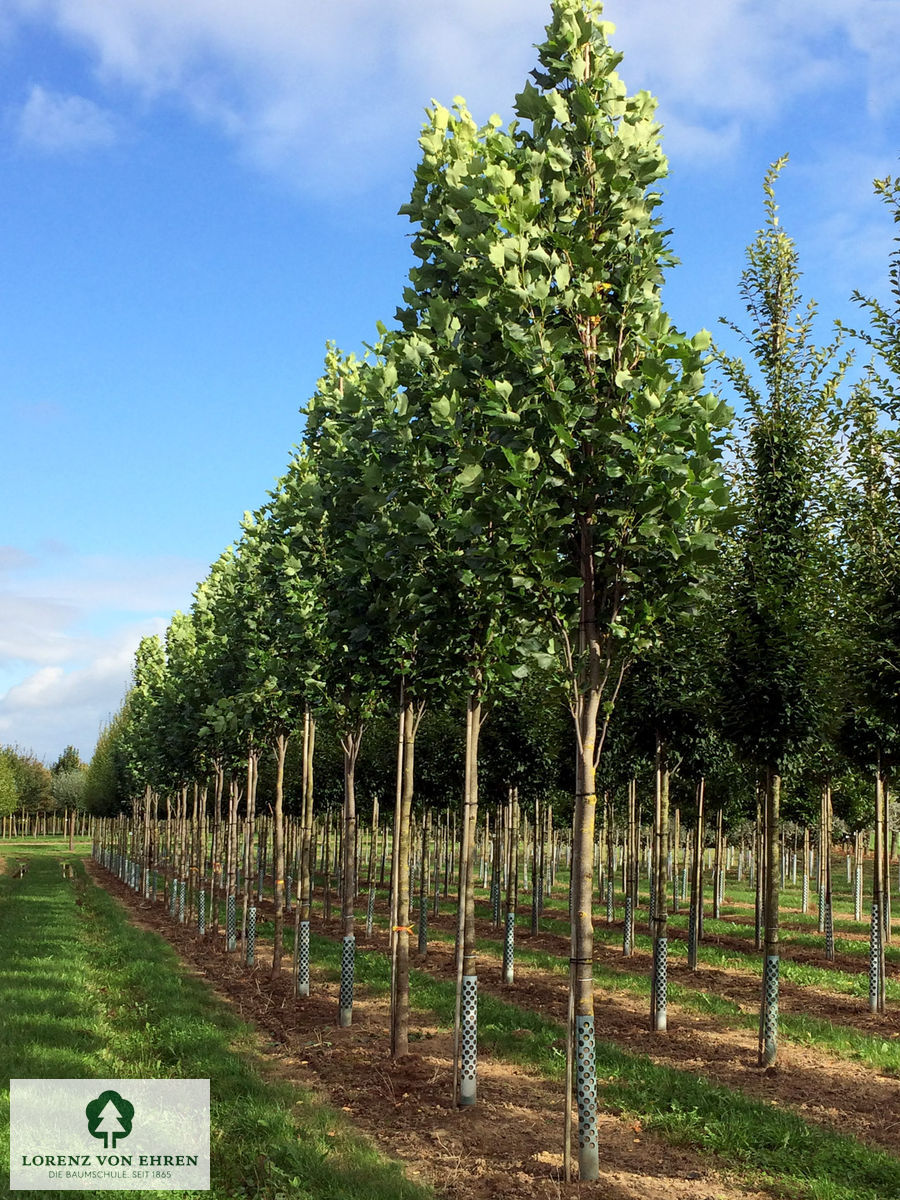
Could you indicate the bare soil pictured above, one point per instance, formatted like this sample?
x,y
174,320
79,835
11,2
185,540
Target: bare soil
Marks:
x,y
510,1143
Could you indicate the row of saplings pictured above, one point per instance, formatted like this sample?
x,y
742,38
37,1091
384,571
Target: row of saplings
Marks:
x,y
210,866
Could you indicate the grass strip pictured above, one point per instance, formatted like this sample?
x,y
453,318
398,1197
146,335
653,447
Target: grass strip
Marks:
x,y
85,994
842,1041
770,1145
807,941
843,982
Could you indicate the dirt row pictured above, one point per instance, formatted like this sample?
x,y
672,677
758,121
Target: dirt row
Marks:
x,y
851,964
510,1144
739,986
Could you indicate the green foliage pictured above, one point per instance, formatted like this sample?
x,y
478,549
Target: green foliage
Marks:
x,y
218,666
883,335
69,760
773,693
141,733
9,792
318,591
68,787
32,780
870,530
110,783
526,742
581,428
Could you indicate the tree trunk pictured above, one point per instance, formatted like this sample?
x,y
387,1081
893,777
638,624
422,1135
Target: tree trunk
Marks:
x,y
400,1023
350,744
886,868
696,908
512,886
582,936
536,877
768,1026
281,745
231,870
466,1016
252,771
760,868
424,873
658,990
876,934
632,859
826,844
304,883
676,847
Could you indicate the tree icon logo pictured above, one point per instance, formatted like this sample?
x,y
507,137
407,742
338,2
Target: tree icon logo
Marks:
x,y
109,1117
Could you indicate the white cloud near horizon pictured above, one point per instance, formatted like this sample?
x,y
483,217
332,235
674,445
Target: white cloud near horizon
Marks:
x,y
69,627
54,707
326,89
54,123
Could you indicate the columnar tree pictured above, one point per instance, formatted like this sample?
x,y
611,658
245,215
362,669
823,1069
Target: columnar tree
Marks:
x,y
278,665
109,786
9,793
591,447
882,337
871,625
788,393
594,449
291,566
357,663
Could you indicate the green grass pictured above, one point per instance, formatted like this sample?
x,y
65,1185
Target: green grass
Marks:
x,y
789,938
769,1145
828,979
87,995
840,1040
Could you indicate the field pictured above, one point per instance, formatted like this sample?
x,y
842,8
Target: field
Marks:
x,y
93,987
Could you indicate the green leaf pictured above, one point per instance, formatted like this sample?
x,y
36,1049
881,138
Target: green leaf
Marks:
x,y
529,103
469,477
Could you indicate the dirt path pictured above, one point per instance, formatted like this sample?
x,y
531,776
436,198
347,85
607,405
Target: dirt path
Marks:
x,y
851,964
838,1092
508,1146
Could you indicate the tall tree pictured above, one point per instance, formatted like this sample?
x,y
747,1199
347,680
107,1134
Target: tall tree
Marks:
x,y
33,780
588,443
9,793
870,629
69,760
882,337
788,392
68,787
108,786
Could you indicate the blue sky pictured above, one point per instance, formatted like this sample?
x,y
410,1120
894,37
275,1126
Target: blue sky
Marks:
x,y
196,194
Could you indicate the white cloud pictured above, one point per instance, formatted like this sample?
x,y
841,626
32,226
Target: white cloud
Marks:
x,y
36,630
876,35
696,142
325,90
13,558
54,707
848,230
56,123
69,627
